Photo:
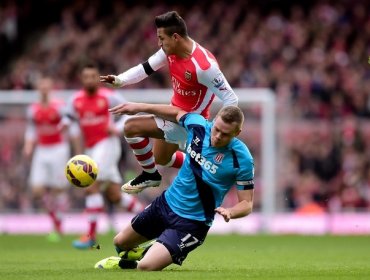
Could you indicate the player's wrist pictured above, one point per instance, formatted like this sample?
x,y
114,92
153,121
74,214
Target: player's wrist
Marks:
x,y
118,82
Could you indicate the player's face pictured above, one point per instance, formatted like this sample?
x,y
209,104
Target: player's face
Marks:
x,y
167,43
90,79
222,133
44,86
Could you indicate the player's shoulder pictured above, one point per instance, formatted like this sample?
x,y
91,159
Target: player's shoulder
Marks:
x,y
193,119
78,94
204,58
57,102
241,149
105,91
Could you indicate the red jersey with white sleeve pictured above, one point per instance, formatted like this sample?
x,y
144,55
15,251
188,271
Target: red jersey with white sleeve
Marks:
x,y
195,80
43,122
91,112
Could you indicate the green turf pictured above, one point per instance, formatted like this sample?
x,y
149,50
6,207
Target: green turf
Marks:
x,y
220,257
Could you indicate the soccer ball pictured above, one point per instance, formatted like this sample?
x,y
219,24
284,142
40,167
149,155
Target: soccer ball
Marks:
x,y
81,171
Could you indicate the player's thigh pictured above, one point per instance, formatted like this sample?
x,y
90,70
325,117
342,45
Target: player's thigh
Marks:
x,y
163,151
142,126
39,176
106,154
128,238
57,164
157,258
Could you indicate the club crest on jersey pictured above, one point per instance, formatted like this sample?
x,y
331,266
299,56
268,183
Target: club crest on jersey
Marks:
x,y
218,158
187,75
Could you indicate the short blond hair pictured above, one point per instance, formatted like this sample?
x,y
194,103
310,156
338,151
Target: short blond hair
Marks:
x,y
232,114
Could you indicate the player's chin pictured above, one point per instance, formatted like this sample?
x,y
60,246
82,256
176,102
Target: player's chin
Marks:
x,y
217,144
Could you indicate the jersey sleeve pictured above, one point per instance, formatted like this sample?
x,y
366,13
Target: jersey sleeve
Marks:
x,y
215,80
190,119
245,175
139,73
69,113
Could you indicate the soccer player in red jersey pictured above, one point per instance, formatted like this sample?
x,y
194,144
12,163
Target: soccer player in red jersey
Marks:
x,y
89,108
49,150
196,79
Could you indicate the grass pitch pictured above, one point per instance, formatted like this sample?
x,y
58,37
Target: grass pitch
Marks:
x,y
220,257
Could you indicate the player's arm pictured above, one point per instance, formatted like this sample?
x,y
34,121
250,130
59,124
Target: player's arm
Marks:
x,y
215,80
29,136
138,72
245,187
241,209
71,126
75,139
167,112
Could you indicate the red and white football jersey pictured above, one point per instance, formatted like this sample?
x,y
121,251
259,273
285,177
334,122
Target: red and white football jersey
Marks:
x,y
43,122
195,80
91,112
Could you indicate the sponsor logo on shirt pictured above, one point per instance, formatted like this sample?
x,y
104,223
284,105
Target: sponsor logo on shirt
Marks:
x,y
186,92
196,140
202,161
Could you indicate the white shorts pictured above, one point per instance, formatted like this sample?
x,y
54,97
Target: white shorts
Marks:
x,y
173,132
47,167
106,154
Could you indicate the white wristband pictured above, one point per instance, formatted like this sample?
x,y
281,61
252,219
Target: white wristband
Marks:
x,y
117,81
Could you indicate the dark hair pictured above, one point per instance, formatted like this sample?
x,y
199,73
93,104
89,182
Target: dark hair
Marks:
x,y
87,64
172,23
232,114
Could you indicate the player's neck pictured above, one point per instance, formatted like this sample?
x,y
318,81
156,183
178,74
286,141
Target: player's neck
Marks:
x,y
44,101
186,48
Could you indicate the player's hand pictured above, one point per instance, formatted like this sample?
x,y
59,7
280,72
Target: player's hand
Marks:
x,y
112,80
126,109
225,213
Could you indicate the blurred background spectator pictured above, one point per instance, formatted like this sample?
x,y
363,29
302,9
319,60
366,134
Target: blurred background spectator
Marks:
x,y
313,54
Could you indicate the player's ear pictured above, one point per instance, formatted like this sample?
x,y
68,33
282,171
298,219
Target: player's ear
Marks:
x,y
176,36
238,132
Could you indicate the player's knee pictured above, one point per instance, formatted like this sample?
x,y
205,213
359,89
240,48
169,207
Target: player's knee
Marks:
x,y
130,128
147,266
160,160
117,241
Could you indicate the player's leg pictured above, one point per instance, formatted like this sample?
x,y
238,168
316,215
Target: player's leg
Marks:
x,y
167,154
157,258
105,153
94,206
124,241
59,201
137,132
107,156
129,242
39,179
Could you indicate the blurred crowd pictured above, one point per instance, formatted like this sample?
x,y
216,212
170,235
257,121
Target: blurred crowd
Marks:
x,y
313,54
